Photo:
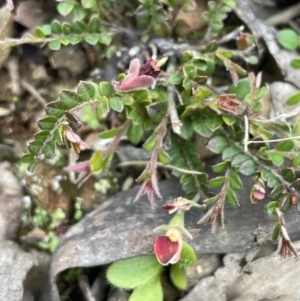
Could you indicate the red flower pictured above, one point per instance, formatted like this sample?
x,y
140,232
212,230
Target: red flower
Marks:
x,y
137,77
168,248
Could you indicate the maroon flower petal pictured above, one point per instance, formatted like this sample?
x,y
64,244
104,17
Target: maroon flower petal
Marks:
x,y
150,68
165,249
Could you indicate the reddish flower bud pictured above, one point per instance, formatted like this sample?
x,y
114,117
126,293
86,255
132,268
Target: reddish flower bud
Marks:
x,y
294,199
168,207
258,191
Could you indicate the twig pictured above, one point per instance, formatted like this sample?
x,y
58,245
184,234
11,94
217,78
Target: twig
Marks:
x,y
246,139
280,117
85,288
274,140
33,92
12,65
284,16
176,123
144,163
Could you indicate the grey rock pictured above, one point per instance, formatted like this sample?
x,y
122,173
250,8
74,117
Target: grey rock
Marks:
x,y
14,266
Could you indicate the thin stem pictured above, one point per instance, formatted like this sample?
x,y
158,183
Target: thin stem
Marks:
x,y
171,167
113,145
246,139
273,140
176,123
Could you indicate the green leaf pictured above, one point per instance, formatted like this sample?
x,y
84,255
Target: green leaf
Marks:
x,y
151,291
105,39
86,90
239,159
296,161
188,257
248,168
212,5
214,122
32,165
261,93
75,40
276,192
69,100
54,45
103,108
56,27
127,99
116,104
201,93
178,277
47,123
288,38
135,133
217,144
200,64
285,146
79,12
285,204
40,32
186,130
163,157
27,158
293,99
42,135
235,181
288,174
212,46
257,107
271,207
149,145
220,167
64,8
67,29
216,25
96,161
50,149
79,27
175,79
272,181
231,198
133,272
230,3
94,25
217,182
295,63
201,128
241,89
276,229
229,153
209,202
277,159
92,39
229,120
110,133
35,146
106,89
88,3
